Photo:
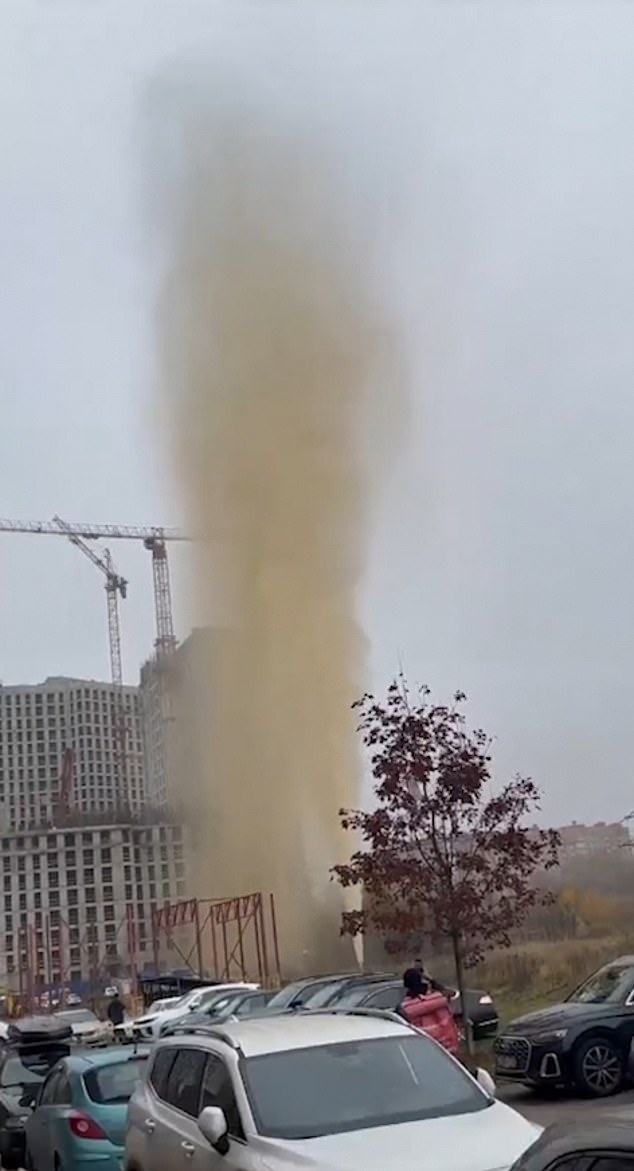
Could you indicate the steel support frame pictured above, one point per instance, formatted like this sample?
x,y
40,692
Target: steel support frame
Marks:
x,y
231,924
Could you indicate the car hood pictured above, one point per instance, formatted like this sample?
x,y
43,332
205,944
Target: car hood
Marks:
x,y
490,1140
559,1016
86,1028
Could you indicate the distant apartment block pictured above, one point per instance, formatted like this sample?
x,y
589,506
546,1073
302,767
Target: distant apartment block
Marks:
x,y
586,840
78,902
38,723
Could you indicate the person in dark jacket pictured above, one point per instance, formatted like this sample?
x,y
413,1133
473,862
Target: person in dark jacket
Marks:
x,y
415,985
429,1010
115,1011
432,984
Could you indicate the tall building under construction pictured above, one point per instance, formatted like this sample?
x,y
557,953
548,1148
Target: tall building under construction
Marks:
x,y
86,856
39,724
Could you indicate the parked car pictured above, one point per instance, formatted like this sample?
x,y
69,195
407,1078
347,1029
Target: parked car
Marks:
x,y
124,1033
86,1026
387,992
603,1145
330,1089
299,993
79,1119
231,1005
582,1043
479,1009
148,1027
33,1047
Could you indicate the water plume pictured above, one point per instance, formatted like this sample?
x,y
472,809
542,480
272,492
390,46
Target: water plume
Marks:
x,y
275,353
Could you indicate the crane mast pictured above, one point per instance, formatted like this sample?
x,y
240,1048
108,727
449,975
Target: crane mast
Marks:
x,y
115,586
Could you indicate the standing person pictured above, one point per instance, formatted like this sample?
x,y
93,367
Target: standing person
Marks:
x,y
429,1010
426,978
115,1011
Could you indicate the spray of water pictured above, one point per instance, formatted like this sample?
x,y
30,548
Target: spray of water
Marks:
x,y
274,356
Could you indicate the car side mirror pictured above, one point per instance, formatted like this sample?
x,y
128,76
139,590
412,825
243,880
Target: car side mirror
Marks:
x,y
212,1124
485,1082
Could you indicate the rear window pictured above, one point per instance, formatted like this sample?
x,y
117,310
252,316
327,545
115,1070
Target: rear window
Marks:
x,y
115,1082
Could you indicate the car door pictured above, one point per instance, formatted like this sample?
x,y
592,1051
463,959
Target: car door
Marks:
x,y
176,1116
218,1090
38,1127
145,1108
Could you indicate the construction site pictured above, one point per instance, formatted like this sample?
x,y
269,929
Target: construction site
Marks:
x,y
94,856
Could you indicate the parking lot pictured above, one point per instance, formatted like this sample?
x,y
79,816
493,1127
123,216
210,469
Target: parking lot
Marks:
x,y
562,1108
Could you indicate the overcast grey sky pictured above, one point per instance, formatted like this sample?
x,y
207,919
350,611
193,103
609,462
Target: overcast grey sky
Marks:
x,y
489,146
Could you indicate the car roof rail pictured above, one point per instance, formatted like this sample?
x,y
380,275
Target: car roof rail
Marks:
x,y
202,1030
376,1013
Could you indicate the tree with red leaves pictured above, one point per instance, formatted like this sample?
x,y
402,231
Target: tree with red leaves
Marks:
x,y
442,856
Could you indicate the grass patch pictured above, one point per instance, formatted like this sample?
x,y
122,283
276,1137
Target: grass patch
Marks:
x,y
533,975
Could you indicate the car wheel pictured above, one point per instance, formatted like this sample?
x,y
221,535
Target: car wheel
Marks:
x,y
598,1067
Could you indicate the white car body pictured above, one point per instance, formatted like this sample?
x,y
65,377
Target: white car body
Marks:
x,y
148,1026
124,1032
484,1135
87,1028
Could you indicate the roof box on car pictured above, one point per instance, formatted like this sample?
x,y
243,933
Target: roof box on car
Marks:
x,y
38,1031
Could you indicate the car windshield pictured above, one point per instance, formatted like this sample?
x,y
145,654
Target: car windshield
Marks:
x,y
325,994
328,1089
77,1016
159,1005
356,994
199,996
610,985
116,1082
291,992
226,1001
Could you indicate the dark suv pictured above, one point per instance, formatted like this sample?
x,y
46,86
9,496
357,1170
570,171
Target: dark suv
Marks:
x,y
33,1046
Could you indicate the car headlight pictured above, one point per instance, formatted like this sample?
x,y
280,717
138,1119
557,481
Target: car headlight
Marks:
x,y
485,999
550,1035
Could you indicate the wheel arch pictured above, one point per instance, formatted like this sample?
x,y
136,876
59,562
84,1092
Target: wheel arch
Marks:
x,y
603,1032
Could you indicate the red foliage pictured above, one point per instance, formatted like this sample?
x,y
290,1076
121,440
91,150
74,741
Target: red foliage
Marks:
x,y
440,856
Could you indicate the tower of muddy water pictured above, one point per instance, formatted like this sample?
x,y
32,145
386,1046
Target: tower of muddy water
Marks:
x,y
273,355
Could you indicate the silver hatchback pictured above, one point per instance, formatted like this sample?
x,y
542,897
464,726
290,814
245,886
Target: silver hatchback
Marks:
x,y
322,1089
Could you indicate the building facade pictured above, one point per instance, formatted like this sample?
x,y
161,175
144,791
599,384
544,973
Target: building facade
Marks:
x,y
77,902
175,698
588,840
39,723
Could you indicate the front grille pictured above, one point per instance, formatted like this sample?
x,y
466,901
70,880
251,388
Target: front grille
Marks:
x,y
517,1048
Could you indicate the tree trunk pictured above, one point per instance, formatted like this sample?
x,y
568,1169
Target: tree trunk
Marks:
x,y
456,943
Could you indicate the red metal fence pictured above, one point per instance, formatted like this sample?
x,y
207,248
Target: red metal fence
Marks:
x,y
230,939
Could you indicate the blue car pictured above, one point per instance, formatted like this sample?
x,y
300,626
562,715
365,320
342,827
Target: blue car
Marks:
x,y
79,1119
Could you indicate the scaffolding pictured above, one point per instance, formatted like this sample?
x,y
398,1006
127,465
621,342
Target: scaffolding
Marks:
x,y
45,958
227,939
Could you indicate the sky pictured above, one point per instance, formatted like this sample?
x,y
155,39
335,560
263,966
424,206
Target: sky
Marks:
x,y
487,147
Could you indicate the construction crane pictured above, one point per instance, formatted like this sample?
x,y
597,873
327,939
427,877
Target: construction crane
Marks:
x,y
115,586
154,539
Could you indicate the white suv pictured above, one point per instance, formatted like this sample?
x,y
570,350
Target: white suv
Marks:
x,y
149,1026
323,1090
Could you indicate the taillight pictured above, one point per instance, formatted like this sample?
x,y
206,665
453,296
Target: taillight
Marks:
x,y
84,1127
